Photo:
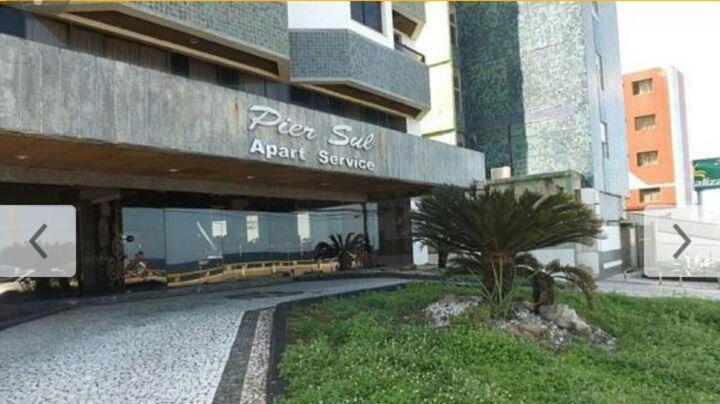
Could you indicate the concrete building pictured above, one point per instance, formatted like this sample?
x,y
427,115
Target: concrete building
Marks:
x,y
542,98
199,140
438,42
660,168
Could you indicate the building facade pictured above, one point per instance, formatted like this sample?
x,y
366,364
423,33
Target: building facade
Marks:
x,y
438,42
199,140
542,94
659,161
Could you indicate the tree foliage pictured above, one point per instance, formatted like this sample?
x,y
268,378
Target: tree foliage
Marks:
x,y
342,249
491,228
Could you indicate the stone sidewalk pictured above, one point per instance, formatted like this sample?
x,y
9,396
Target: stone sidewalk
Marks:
x,y
173,349
637,285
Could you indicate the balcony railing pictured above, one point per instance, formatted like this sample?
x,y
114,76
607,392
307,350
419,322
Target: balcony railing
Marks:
x,y
409,51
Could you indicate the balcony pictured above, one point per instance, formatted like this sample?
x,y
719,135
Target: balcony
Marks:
x,y
400,47
346,62
253,34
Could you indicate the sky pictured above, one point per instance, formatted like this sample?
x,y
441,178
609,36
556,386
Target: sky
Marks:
x,y
684,35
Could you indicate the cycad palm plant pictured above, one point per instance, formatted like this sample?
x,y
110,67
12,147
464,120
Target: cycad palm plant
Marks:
x,y
491,228
343,249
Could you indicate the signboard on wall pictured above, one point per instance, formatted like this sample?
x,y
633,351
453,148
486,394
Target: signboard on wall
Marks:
x,y
706,174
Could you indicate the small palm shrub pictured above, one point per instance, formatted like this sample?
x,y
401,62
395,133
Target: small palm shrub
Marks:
x,y
342,249
491,229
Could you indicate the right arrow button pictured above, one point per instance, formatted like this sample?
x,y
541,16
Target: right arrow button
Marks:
x,y
685,237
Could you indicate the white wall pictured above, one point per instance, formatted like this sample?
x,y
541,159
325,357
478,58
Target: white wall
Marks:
x,y
433,41
681,163
336,15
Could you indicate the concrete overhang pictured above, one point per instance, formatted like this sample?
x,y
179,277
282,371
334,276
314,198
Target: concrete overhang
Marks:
x,y
345,62
82,114
259,42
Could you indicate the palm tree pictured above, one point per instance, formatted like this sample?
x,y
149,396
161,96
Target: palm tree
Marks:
x,y
344,250
491,228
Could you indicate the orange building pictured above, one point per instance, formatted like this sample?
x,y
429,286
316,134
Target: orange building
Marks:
x,y
660,169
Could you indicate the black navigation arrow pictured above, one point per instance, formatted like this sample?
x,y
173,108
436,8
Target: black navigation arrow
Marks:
x,y
34,239
685,237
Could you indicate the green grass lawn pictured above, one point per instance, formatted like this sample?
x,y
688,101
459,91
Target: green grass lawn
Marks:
x,y
375,347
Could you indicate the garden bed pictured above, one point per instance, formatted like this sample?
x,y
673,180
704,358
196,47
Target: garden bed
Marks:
x,y
378,347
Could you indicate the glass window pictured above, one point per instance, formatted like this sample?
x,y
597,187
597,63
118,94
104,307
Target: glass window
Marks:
x,y
649,158
368,13
12,21
595,9
645,122
321,102
143,238
337,106
277,91
650,195
642,86
229,78
47,31
255,85
397,123
179,64
301,97
354,111
604,140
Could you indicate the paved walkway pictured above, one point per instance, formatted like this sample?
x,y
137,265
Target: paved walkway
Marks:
x,y
168,350
637,285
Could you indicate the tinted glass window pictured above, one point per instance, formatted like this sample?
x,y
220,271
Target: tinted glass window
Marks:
x,y
277,91
354,111
255,85
372,15
367,13
179,64
301,97
12,21
229,78
356,11
337,106
321,102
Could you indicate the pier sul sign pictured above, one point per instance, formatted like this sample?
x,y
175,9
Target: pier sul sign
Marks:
x,y
340,136
706,173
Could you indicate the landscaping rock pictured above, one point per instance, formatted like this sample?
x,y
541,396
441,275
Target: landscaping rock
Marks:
x,y
529,325
566,318
440,313
553,327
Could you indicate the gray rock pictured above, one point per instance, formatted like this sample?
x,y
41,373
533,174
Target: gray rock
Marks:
x,y
566,318
440,313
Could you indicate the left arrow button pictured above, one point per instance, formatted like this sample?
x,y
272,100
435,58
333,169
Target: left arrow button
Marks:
x,y
33,241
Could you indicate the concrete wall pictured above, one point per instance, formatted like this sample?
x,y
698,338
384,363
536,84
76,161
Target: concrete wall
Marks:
x,y
343,56
52,91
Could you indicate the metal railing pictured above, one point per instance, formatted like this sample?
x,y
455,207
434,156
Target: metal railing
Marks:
x,y
410,51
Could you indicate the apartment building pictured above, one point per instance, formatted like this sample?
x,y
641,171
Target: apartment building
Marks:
x,y
660,168
190,141
541,93
438,43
